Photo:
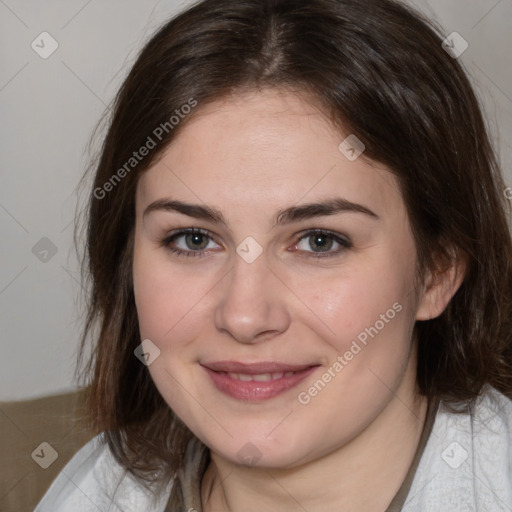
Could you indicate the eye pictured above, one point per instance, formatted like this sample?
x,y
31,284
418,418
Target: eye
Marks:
x,y
190,242
322,243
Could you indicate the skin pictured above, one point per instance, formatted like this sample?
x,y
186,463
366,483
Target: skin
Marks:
x,y
250,156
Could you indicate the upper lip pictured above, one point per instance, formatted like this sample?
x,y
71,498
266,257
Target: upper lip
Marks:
x,y
255,368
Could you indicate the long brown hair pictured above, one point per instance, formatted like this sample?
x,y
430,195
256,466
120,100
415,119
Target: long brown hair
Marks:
x,y
379,71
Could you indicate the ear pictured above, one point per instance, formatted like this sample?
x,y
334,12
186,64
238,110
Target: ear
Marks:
x,y
440,286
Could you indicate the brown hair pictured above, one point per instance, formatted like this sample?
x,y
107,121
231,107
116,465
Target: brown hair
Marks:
x,y
379,71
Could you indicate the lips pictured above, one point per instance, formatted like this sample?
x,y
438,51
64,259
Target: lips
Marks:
x,y
256,381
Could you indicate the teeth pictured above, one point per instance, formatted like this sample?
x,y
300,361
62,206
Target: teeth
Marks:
x,y
260,377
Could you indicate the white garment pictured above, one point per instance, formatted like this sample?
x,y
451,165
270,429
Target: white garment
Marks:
x,y
466,467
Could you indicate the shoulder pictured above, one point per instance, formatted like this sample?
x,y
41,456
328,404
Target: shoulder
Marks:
x,y
492,415
492,451
93,481
467,463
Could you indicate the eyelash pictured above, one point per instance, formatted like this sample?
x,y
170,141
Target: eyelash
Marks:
x,y
345,243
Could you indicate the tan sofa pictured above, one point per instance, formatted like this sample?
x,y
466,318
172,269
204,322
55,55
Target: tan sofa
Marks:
x,y
28,467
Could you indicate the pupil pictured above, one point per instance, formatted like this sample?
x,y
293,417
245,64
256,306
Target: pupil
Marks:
x,y
196,241
321,242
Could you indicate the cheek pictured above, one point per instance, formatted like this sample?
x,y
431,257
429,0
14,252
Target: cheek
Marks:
x,y
166,308
359,299
163,298
370,315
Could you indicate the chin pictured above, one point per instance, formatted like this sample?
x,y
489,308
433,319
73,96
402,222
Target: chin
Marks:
x,y
248,448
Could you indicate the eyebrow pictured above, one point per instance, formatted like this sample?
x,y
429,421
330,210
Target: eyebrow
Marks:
x,y
285,216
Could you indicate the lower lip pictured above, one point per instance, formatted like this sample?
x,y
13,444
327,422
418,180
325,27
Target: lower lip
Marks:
x,y
253,391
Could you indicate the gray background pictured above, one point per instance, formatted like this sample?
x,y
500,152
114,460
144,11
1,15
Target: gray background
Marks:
x,y
49,108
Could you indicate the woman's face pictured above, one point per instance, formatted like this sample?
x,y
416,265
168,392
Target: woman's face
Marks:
x,y
284,319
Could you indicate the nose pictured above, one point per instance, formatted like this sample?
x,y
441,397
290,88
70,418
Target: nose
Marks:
x,y
252,304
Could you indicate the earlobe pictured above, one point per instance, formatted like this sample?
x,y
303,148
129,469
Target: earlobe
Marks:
x,y
439,288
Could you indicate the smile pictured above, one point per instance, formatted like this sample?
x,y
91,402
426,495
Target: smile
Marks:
x,y
255,382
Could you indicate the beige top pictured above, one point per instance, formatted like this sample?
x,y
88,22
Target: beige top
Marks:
x,y
187,495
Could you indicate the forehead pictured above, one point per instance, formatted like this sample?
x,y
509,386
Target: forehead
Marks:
x,y
260,151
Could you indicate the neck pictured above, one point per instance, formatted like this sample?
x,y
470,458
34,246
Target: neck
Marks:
x,y
376,460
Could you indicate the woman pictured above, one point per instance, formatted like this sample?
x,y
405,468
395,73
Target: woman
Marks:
x,y
301,272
